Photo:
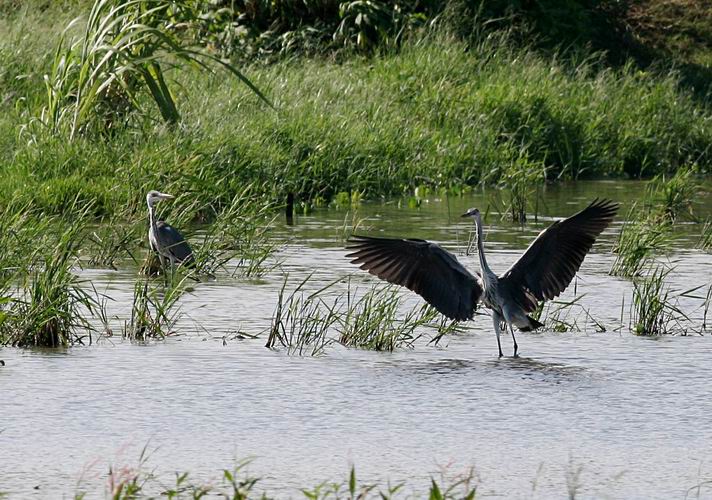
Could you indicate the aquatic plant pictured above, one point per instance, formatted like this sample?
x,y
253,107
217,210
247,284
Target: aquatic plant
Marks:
x,y
113,240
49,308
520,181
132,482
371,321
567,316
154,311
641,238
238,231
672,195
301,322
654,311
96,79
307,323
705,241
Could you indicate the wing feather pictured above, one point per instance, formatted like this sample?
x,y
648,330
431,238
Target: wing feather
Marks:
x,y
552,260
423,267
173,242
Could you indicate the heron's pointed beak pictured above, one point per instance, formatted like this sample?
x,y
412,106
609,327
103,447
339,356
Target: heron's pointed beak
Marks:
x,y
165,196
466,214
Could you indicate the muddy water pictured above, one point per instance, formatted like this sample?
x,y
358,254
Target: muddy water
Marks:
x,y
608,413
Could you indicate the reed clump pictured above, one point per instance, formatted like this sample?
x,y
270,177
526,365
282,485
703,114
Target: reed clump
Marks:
x,y
372,320
653,310
642,237
671,195
238,233
705,241
49,304
155,311
307,323
301,322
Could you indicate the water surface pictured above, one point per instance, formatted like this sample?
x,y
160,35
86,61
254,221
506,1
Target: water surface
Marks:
x,y
615,415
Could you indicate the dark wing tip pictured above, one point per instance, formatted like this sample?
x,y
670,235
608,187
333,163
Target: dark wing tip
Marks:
x,y
607,208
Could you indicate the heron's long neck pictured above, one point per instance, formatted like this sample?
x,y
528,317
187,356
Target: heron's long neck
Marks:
x,y
152,216
486,271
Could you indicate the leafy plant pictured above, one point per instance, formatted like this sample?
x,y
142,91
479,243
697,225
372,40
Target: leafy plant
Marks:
x,y
97,78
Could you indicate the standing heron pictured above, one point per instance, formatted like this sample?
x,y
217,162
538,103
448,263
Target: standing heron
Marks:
x,y
544,270
164,239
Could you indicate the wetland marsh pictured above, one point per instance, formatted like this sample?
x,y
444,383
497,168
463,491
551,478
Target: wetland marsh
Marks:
x,y
611,408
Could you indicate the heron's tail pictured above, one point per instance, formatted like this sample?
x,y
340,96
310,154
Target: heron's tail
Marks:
x,y
533,325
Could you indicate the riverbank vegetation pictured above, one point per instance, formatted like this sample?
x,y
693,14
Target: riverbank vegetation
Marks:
x,y
379,109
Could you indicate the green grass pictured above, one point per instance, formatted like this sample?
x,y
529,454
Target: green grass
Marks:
x,y
654,310
42,301
372,321
307,323
430,114
643,237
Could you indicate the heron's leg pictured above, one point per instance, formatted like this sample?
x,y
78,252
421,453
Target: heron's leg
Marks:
x,y
508,320
497,319
516,347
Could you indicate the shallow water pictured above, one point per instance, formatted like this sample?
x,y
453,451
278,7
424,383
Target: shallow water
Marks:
x,y
611,414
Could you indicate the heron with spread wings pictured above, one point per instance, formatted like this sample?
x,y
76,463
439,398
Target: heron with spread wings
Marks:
x,y
544,270
165,240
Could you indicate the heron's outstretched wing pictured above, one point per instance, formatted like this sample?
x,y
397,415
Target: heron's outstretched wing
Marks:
x,y
171,241
424,267
551,261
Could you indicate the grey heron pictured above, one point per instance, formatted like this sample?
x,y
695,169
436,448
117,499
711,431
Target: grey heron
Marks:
x,y
544,270
164,239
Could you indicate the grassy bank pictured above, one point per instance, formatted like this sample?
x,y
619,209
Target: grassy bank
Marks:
x,y
438,112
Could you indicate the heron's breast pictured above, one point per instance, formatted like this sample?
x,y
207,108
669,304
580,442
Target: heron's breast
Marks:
x,y
491,299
